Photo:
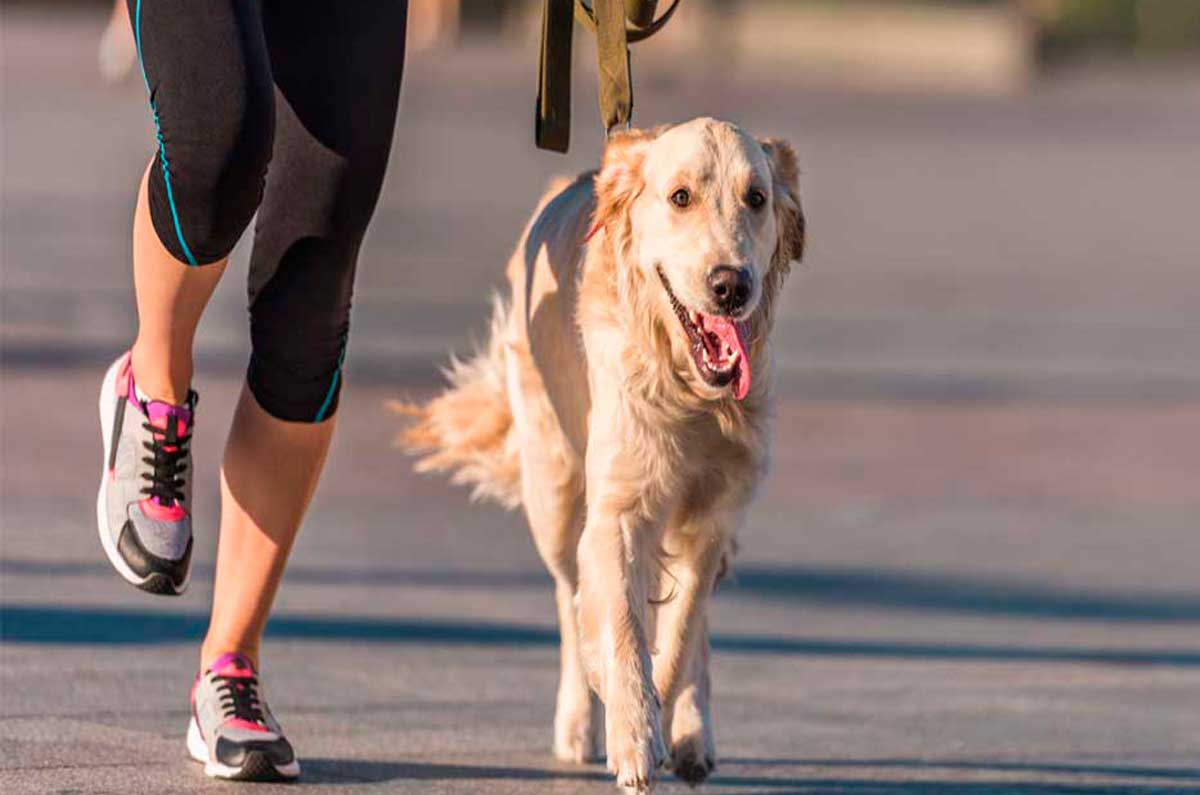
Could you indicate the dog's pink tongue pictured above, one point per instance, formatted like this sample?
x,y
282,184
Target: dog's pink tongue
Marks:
x,y
731,334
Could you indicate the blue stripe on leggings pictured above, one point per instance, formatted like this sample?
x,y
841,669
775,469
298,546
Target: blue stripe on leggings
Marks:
x,y
162,149
332,386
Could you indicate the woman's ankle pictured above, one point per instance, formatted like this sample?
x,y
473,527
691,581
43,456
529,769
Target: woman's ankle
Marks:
x,y
161,377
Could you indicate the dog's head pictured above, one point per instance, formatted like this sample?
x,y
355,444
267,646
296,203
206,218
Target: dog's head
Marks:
x,y
709,218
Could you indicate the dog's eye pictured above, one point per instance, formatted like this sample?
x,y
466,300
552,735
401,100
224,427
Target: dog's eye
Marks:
x,y
681,198
756,199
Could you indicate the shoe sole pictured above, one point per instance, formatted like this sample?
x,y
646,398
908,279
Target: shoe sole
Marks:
x,y
154,582
257,766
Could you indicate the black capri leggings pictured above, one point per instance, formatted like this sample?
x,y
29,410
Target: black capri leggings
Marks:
x,y
309,87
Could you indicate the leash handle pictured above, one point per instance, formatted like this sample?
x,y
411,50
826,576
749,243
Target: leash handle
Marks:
x,y
613,64
608,20
552,121
639,11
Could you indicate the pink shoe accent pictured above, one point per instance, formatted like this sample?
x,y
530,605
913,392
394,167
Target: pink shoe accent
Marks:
x,y
157,411
238,723
160,413
162,513
232,664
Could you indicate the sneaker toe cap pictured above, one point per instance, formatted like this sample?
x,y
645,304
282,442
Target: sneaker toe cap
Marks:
x,y
144,562
233,752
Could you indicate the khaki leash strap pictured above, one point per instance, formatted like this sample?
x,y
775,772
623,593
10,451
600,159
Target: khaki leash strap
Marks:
x,y
616,23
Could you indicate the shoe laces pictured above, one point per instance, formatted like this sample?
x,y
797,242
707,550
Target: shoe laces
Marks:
x,y
168,460
239,698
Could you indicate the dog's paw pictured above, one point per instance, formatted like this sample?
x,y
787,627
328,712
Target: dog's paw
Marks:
x,y
635,764
692,759
636,750
578,731
693,754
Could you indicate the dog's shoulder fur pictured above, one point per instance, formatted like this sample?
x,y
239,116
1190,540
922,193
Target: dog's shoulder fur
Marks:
x,y
547,364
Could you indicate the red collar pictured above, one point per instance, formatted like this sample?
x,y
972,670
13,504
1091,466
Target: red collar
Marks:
x,y
593,232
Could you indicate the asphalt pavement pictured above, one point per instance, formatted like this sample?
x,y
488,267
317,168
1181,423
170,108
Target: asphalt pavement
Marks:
x,y
973,570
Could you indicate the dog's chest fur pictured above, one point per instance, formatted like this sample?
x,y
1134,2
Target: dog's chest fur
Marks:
x,y
691,454
584,331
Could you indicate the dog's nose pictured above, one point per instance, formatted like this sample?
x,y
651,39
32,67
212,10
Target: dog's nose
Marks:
x,y
730,287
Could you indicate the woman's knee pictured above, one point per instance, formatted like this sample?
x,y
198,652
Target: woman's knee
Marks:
x,y
299,324
213,107
207,180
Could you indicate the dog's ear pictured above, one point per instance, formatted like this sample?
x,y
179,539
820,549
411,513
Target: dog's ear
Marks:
x,y
789,216
619,180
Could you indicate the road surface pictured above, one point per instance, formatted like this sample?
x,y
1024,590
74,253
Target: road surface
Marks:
x,y
973,570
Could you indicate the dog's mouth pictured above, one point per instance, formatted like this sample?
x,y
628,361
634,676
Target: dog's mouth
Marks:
x,y
717,345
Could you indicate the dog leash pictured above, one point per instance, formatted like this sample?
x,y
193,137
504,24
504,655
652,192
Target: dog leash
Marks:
x,y
617,24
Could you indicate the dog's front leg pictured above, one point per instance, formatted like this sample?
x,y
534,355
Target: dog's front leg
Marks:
x,y
681,659
612,618
688,719
615,554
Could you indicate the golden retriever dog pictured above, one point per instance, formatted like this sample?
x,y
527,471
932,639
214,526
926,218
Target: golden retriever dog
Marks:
x,y
623,401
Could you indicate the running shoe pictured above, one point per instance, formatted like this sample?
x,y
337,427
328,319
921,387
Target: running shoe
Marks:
x,y
232,730
143,507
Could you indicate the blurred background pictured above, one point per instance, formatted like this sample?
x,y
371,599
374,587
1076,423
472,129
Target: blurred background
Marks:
x,y
973,569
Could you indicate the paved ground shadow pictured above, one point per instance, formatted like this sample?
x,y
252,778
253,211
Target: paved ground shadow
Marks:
x,y
360,771
889,589
54,624
856,587
1068,768
325,771
838,786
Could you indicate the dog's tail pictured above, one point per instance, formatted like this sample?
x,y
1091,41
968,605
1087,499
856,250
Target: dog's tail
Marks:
x,y
467,429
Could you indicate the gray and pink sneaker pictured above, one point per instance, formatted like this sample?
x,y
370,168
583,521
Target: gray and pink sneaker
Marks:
x,y
232,730
143,507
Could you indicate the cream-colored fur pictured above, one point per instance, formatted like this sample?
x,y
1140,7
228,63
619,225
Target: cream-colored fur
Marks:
x,y
586,409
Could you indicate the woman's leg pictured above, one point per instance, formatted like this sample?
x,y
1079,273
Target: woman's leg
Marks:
x,y
333,137
206,73
261,508
171,297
